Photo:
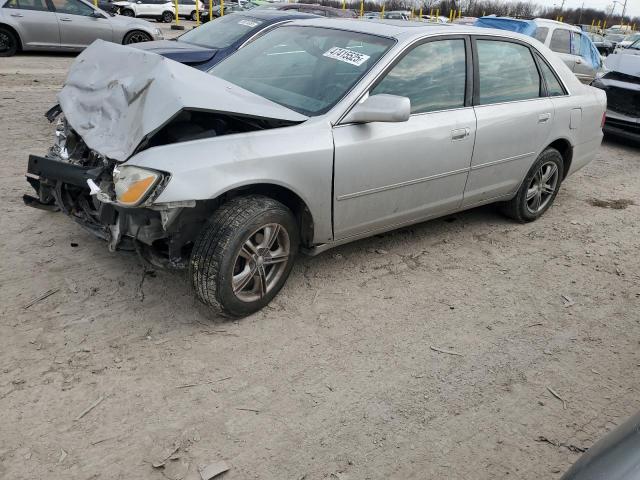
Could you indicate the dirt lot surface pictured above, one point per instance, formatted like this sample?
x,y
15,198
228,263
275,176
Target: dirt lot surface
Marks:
x,y
337,378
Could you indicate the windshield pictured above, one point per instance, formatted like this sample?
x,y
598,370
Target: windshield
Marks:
x,y
223,31
632,38
635,45
306,69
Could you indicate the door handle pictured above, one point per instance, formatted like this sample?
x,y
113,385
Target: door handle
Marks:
x,y
578,60
544,117
66,19
16,15
460,133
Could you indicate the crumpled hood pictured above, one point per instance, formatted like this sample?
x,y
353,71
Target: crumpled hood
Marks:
x,y
182,52
115,96
624,63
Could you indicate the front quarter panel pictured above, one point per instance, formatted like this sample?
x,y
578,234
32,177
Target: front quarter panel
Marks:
x,y
299,158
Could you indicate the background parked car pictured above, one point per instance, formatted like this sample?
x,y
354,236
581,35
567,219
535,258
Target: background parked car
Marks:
x,y
626,41
210,43
604,46
160,10
315,9
572,45
620,82
614,38
229,7
569,42
108,6
68,25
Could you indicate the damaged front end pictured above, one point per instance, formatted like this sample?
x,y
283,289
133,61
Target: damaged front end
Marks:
x,y
116,102
112,201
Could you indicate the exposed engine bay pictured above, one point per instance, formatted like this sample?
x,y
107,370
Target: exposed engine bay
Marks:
x,y
81,182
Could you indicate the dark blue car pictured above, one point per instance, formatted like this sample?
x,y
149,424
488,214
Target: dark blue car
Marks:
x,y
212,42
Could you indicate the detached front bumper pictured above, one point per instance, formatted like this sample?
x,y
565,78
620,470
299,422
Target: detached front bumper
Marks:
x,y
65,186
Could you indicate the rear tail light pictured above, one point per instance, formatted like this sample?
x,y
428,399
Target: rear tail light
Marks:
x,y
604,117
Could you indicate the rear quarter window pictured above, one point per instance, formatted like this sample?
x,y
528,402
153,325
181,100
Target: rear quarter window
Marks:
x,y
541,34
561,41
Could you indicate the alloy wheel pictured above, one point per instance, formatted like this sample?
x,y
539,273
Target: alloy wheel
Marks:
x,y
261,262
137,37
542,187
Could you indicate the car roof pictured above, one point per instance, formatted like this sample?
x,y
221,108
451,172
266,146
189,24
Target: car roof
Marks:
x,y
402,29
269,14
549,23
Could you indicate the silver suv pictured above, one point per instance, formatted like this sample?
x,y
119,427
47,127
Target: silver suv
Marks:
x,y
320,132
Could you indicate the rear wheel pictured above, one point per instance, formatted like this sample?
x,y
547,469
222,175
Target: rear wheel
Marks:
x,y
539,188
244,255
127,13
167,17
136,36
8,42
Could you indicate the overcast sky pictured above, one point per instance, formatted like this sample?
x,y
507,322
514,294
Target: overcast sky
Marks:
x,y
633,6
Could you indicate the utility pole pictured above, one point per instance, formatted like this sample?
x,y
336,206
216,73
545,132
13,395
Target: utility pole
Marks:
x,y
580,18
624,8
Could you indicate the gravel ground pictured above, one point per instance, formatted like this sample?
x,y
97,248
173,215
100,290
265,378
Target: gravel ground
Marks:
x,y
337,378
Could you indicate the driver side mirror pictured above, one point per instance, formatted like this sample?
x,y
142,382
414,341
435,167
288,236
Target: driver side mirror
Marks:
x,y
380,108
97,14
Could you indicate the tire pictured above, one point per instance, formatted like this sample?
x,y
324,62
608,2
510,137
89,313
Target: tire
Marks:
x,y
539,188
136,36
234,247
9,43
167,17
127,13
193,16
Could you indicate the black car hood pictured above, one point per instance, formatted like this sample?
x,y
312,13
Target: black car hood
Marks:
x,y
182,52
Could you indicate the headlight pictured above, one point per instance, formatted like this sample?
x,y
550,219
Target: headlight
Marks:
x,y
133,184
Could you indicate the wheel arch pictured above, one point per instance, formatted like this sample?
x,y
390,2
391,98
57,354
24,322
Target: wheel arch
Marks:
x,y
566,150
282,194
15,32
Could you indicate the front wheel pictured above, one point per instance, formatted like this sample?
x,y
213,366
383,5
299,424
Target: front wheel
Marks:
x,y
127,13
193,16
136,37
244,255
539,188
8,43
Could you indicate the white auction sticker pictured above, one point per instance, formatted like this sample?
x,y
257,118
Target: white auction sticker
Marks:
x,y
248,23
348,56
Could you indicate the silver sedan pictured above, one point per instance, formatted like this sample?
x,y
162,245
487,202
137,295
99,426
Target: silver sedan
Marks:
x,y
66,25
318,133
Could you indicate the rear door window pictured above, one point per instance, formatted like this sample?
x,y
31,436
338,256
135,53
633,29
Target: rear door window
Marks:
x,y
561,41
507,72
